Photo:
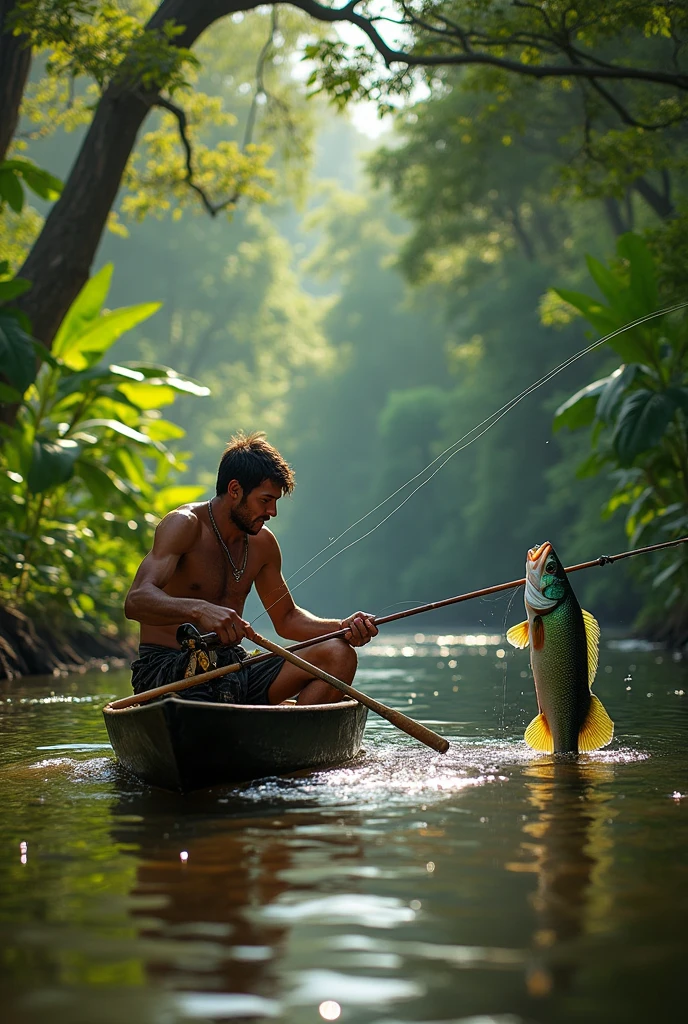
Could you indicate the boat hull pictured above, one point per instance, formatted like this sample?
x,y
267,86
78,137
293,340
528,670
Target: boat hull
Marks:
x,y
182,745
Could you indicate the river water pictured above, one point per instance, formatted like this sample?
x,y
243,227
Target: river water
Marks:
x,y
487,885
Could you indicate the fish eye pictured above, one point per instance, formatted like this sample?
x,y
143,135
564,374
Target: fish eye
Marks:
x,y
551,567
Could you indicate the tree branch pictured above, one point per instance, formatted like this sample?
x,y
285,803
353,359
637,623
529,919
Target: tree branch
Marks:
x,y
390,55
160,101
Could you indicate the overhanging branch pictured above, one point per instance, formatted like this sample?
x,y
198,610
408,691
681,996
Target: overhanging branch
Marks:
x,y
160,101
390,55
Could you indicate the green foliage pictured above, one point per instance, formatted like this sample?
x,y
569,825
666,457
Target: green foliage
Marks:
x,y
18,171
639,417
104,41
220,92
84,470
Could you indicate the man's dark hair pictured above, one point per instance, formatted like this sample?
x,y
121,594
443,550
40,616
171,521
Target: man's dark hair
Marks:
x,y
249,459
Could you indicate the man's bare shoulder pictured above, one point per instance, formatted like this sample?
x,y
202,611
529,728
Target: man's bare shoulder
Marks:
x,y
266,543
179,529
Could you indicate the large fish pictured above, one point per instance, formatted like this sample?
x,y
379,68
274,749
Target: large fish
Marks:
x,y
564,647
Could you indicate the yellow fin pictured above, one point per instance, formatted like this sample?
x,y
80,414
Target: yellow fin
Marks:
x,y
597,729
518,635
538,735
592,632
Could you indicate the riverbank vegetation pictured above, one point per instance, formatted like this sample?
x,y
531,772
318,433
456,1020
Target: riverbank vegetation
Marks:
x,y
366,301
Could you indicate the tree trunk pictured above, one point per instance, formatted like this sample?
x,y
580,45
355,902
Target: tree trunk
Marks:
x,y
660,202
15,61
60,262
614,216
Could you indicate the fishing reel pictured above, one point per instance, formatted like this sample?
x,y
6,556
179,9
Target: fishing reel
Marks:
x,y
201,648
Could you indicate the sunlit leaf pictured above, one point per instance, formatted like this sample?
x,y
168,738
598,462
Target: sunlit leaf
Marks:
x,y
613,393
168,498
579,410
149,395
83,348
84,310
118,427
163,430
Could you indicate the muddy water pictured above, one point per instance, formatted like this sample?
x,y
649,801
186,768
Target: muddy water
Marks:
x,y
485,885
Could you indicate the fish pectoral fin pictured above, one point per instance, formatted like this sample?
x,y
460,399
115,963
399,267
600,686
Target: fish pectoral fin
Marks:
x,y
597,729
592,634
538,735
518,635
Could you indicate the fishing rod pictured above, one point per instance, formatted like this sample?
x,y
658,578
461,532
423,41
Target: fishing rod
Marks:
x,y
211,638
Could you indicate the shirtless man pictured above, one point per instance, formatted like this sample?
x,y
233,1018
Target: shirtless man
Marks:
x,y
206,556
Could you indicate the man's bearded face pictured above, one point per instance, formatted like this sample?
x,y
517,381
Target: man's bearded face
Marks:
x,y
246,519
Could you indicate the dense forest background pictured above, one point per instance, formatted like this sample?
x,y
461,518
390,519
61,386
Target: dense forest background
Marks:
x,y
373,297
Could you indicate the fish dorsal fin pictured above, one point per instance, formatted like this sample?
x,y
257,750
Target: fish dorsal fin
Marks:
x,y
518,635
597,729
592,633
538,735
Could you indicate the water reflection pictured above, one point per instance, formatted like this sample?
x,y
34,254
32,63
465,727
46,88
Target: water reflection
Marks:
x,y
201,915
568,845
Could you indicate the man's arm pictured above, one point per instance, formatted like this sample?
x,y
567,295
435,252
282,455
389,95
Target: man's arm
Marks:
x,y
294,623
147,601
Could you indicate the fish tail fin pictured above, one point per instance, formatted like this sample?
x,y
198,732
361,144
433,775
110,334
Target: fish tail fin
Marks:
x,y
538,735
597,729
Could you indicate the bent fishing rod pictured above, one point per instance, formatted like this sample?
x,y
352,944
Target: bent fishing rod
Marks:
x,y
212,639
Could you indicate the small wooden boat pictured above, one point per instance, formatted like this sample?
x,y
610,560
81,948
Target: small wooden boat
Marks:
x,y
183,744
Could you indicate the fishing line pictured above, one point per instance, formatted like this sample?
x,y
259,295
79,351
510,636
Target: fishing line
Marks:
x,y
512,598
457,446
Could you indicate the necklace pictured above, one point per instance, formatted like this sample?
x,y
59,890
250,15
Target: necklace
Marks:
x,y
238,573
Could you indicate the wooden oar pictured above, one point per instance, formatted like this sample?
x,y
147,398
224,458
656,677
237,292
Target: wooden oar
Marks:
x,y
204,677
401,721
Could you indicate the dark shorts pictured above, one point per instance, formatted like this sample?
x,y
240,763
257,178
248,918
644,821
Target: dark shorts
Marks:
x,y
157,665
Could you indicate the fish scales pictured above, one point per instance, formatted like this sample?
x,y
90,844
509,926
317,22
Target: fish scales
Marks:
x,y
560,671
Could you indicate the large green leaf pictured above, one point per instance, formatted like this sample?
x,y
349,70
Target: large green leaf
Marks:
x,y
643,277
149,394
162,430
8,394
129,465
120,428
607,281
613,393
680,397
11,289
105,486
642,421
17,352
84,310
11,191
602,318
42,182
82,349
579,410
52,463
158,374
